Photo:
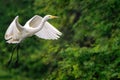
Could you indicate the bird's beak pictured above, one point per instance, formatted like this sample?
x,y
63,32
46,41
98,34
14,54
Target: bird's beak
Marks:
x,y
52,17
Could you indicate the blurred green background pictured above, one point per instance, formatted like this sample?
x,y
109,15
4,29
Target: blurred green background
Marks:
x,y
89,48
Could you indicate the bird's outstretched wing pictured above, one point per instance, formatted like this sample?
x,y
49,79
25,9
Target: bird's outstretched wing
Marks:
x,y
13,31
47,32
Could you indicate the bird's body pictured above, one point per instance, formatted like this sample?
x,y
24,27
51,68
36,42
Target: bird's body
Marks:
x,y
35,26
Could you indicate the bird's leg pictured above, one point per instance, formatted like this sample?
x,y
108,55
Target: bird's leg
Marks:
x,y
18,46
12,55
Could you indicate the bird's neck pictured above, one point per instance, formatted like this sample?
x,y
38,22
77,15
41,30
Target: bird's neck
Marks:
x,y
42,23
40,26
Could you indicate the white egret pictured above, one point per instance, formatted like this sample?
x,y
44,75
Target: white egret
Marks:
x,y
35,26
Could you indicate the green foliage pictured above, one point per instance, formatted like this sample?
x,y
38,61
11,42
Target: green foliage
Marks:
x,y
88,49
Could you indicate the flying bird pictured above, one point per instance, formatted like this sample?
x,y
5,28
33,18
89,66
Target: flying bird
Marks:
x,y
37,25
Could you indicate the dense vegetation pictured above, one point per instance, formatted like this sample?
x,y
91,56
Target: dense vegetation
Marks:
x,y
89,48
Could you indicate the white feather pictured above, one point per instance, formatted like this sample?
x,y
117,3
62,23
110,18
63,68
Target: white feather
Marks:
x,y
35,26
48,31
13,31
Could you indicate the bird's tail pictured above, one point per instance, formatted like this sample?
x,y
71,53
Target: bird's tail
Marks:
x,y
13,41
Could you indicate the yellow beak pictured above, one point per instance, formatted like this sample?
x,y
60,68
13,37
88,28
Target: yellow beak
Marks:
x,y
52,17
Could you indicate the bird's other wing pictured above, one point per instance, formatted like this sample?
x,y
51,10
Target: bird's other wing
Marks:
x,y
34,21
48,32
13,30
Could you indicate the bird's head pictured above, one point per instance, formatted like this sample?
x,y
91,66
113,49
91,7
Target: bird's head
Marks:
x,y
50,17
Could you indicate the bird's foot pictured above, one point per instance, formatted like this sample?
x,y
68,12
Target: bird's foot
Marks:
x,y
16,64
9,62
